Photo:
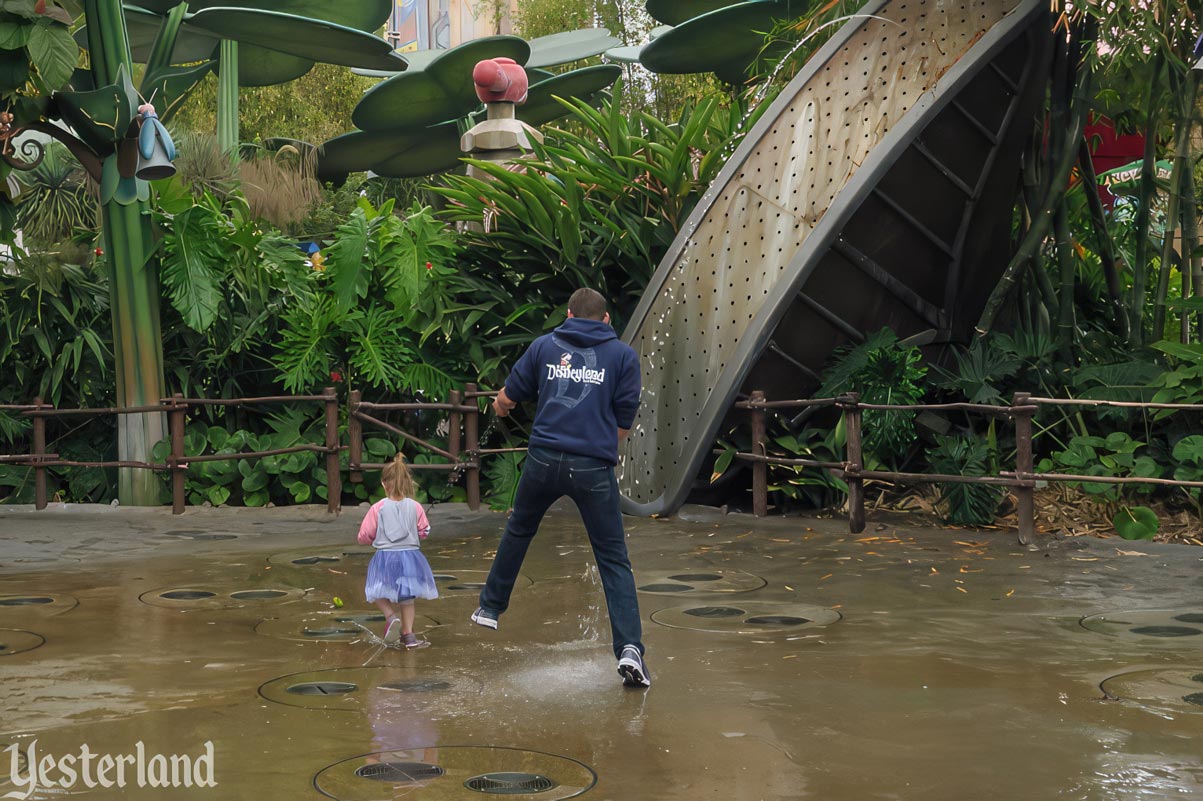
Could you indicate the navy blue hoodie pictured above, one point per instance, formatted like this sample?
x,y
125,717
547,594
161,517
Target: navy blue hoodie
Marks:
x,y
587,384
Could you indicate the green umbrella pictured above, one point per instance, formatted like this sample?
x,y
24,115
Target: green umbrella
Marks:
x,y
1126,179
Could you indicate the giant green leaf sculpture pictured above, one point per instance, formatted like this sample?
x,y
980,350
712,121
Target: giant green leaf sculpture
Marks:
x,y
410,124
725,41
442,91
716,36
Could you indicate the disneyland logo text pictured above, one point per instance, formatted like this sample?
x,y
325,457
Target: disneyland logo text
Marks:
x,y
576,374
92,770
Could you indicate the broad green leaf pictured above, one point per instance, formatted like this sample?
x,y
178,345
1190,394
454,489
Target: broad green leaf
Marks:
x,y
54,54
192,266
1136,523
218,495
256,481
14,35
259,498
345,261
721,464
300,491
1186,353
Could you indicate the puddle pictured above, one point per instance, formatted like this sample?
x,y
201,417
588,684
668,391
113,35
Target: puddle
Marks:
x,y
452,773
333,625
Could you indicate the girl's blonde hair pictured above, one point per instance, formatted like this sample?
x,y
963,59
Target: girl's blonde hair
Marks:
x,y
398,481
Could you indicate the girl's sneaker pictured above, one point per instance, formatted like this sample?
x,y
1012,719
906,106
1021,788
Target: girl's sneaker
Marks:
x,y
392,631
412,642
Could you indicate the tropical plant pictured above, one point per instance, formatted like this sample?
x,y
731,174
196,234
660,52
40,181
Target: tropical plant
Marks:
x,y
56,200
373,301
966,455
596,207
882,371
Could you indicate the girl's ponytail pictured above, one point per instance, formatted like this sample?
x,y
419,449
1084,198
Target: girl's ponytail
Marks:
x,y
397,479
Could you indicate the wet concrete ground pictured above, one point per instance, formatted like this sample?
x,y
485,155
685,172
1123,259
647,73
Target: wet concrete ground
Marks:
x,y
790,660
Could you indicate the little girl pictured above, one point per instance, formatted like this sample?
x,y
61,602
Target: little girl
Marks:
x,y
398,572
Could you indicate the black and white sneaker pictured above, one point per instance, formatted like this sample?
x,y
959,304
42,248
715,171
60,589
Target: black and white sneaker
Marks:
x,y
631,668
483,617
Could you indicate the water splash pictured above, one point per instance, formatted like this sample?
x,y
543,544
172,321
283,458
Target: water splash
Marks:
x,y
591,621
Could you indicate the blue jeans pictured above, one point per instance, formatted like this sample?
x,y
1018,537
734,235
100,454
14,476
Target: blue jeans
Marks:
x,y
547,476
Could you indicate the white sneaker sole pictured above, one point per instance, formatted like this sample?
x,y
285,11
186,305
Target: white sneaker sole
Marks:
x,y
632,674
393,633
487,622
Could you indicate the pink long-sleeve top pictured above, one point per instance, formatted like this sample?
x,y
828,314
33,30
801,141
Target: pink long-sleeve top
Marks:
x,y
394,525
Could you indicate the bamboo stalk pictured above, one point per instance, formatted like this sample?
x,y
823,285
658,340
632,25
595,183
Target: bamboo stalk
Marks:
x,y
1148,188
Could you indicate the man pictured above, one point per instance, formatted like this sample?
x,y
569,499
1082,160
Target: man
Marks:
x,y
586,383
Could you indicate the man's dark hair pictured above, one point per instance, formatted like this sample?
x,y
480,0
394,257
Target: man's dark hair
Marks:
x,y
587,303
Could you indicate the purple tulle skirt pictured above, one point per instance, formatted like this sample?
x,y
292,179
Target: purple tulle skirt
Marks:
x,y
399,576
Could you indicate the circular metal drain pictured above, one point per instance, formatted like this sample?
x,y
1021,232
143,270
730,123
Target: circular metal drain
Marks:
x,y
399,772
187,595
468,582
499,771
35,605
416,686
324,557
753,617
510,783
1164,691
331,625
17,641
715,611
199,536
216,598
1177,626
387,690
322,688
258,595
673,582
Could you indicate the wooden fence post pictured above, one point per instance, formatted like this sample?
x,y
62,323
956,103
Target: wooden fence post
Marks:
x,y
454,423
472,448
39,453
1025,513
850,403
334,487
355,436
176,424
760,470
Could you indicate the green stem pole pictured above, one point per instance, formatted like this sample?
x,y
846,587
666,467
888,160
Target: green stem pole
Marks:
x,y
227,99
133,285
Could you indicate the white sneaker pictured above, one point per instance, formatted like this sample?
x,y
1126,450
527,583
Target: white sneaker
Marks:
x,y
632,669
484,618
392,634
